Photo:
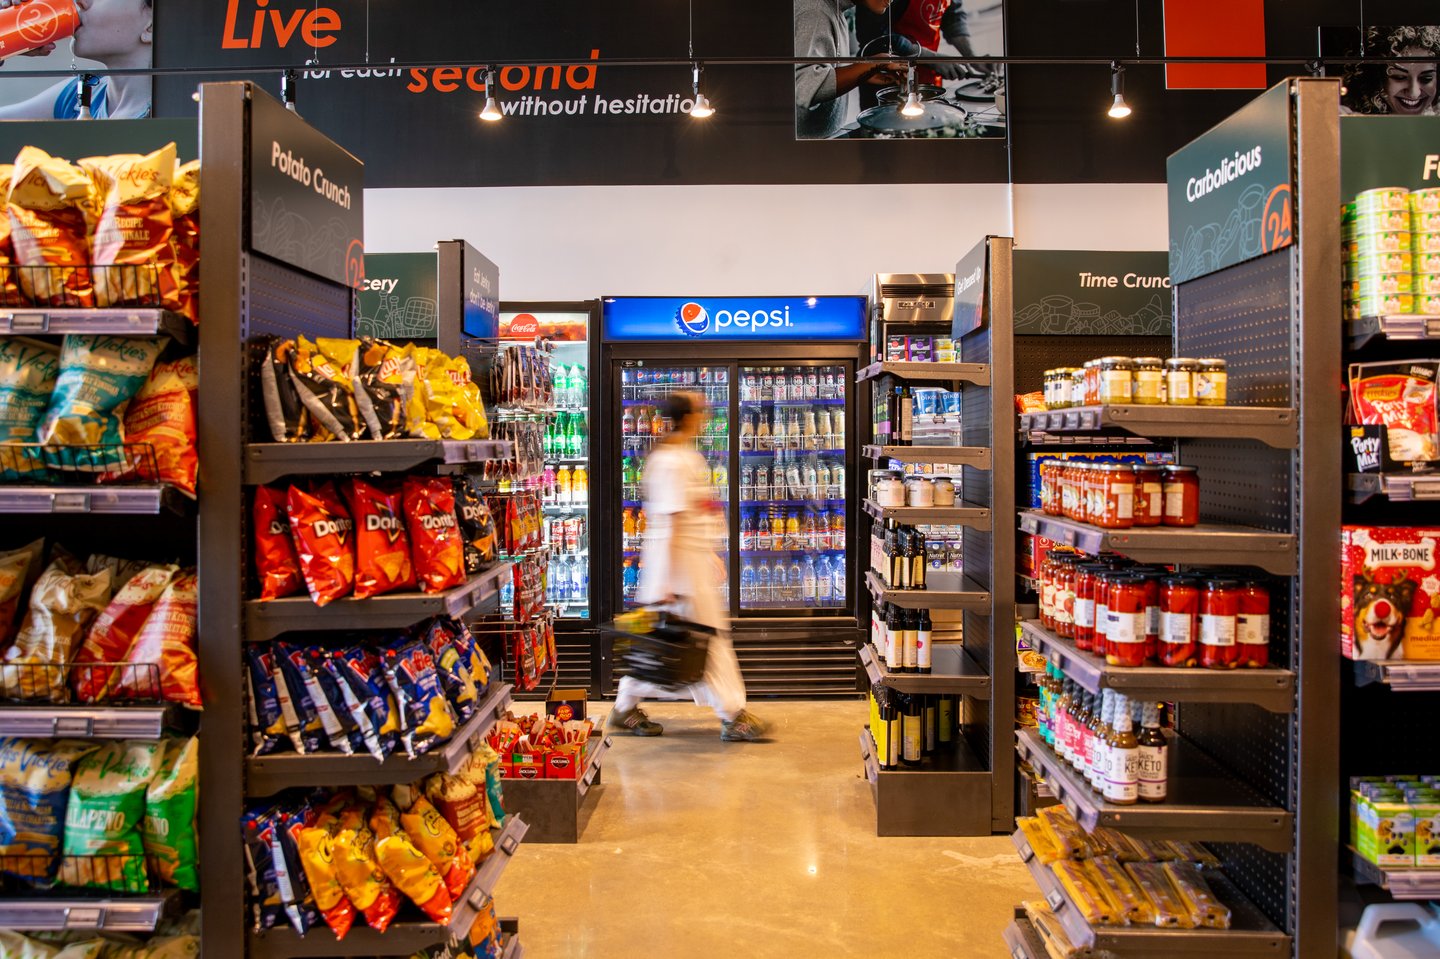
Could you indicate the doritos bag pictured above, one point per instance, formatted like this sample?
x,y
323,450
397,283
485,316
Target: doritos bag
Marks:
x,y
276,565
185,239
434,532
326,392
289,422
99,376
47,203
477,526
113,634
130,253
382,550
167,639
162,415
324,541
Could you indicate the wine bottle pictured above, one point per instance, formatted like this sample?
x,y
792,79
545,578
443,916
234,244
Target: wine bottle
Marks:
x,y
945,719
931,719
923,651
910,632
918,561
894,641
911,730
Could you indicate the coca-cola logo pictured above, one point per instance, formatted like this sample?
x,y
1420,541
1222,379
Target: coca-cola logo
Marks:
x,y
524,324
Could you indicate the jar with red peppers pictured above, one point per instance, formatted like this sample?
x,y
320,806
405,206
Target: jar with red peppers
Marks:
x,y
1050,488
1152,576
1063,601
1099,643
1219,622
1045,576
1065,481
1149,496
1125,619
1179,621
1182,496
1084,627
1117,497
1252,630
1095,501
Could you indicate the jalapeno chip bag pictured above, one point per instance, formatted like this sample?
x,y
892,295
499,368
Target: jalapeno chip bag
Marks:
x,y
434,531
324,541
382,550
171,801
103,844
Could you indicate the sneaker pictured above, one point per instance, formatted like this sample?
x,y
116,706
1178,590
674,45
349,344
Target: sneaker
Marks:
x,y
744,728
634,722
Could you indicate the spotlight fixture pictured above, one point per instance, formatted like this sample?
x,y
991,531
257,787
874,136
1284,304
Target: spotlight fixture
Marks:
x,y
491,111
288,84
1119,109
913,107
87,86
702,107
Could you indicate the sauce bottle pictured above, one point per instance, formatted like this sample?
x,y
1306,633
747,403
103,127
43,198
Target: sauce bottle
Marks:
x,y
911,634
1154,757
923,650
1122,782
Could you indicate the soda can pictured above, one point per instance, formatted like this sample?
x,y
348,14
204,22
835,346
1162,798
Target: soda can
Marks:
x,y
722,376
704,376
27,26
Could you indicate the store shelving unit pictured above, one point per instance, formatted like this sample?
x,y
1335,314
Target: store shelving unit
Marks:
x,y
127,321
970,791
1212,544
1275,427
1399,882
557,809
1401,675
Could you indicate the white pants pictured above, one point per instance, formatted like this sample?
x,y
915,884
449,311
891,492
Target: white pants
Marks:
x,y
722,689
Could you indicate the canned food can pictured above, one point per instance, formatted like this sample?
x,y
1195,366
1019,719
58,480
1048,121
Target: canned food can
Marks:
x,y
1382,199
1425,222
1373,263
1382,221
1386,284
1385,305
1352,311
1425,201
1395,241
1428,305
1425,243
1348,212
1426,284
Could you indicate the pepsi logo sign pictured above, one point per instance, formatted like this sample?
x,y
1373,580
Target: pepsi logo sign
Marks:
x,y
693,318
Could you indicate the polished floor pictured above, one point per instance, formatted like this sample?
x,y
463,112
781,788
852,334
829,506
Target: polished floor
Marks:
x,y
697,848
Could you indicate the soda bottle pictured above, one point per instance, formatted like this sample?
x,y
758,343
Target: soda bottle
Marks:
x,y
643,422
794,583
630,579
809,535
825,586
657,424
720,422
720,480
812,384
762,584
627,423
582,436
579,388
627,384
579,485
640,523
562,485
810,590
747,532
747,583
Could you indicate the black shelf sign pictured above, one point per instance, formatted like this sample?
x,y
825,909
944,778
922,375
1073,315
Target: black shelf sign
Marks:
x,y
970,290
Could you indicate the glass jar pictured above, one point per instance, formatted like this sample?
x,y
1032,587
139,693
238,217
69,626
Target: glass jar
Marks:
x,y
1085,581
1152,576
1068,489
1080,470
1049,488
1180,381
1117,380
1117,499
1219,621
1077,386
1182,496
1048,379
1125,621
1252,629
1179,643
1062,603
1064,388
1092,382
1094,492
1099,642
1149,381
1211,382
1149,495
1045,580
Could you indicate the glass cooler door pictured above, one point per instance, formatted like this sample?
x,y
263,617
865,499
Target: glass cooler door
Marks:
x,y
642,387
792,435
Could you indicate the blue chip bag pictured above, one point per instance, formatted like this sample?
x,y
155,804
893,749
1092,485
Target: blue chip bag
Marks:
x,y
443,638
257,826
267,723
423,714
27,378
302,714
35,778
289,870
99,375
360,669
355,702
341,729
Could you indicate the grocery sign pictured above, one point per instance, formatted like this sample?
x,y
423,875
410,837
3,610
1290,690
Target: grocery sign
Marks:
x,y
632,318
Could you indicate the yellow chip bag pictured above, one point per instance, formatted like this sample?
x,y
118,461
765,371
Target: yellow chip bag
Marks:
x,y
317,856
185,240
325,392
359,872
437,841
414,875
130,253
47,207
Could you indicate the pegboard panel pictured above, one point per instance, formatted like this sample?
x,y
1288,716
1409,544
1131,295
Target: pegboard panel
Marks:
x,y
1262,876
1249,484
1250,742
1242,315
1035,354
286,302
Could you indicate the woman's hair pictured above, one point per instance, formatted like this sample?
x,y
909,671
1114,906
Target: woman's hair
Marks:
x,y
677,406
1365,82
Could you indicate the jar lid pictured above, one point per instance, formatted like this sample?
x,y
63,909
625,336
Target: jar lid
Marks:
x,y
1181,469
1089,363
1180,579
1048,373
1117,362
1222,584
1211,363
1148,361
1180,362
1261,583
1118,468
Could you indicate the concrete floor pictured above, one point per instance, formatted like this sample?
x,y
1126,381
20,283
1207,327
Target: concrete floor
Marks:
x,y
697,848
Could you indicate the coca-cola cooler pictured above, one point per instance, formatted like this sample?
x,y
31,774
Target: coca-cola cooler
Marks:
x,y
779,377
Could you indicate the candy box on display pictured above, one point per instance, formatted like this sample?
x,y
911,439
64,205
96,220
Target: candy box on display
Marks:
x,y
1390,595
566,704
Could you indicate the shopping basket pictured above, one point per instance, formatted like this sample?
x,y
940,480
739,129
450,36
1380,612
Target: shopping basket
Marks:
x,y
659,647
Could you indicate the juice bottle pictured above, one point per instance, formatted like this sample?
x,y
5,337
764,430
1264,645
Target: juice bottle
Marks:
x,y
777,530
792,531
657,423
579,485
640,522
562,484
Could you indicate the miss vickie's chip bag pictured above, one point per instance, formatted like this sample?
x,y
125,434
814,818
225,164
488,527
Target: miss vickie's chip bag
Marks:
x,y
324,540
47,202
131,257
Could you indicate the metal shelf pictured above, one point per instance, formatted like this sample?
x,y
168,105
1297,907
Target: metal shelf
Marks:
x,y
975,517
1024,941
974,599
977,373
1205,802
87,722
1400,326
267,462
1209,544
147,500
955,672
268,775
1269,688
808,401
402,938
123,321
266,619
66,910
1401,883
1401,675
513,948
948,795
1251,934
1397,487
976,456
1273,426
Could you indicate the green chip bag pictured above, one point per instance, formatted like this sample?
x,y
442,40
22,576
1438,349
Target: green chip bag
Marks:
x,y
185,946
170,802
103,848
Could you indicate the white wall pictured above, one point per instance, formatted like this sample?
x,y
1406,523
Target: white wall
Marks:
x,y
1091,216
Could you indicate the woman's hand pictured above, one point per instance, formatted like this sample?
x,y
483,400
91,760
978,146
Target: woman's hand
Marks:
x,y
43,51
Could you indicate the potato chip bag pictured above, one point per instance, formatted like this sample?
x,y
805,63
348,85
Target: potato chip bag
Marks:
x,y
171,802
28,370
381,388
326,392
423,714
63,603
359,872
167,641
317,856
46,205
329,698
484,938
454,408
477,526
464,806
442,636
35,777
324,540
438,842
290,871
362,724
162,416
288,419
382,550
276,565
103,844
99,376
15,946
131,258
265,721
257,825
15,570
494,787
385,819
113,634
121,570
9,284
301,702
434,531
185,239
415,876
359,669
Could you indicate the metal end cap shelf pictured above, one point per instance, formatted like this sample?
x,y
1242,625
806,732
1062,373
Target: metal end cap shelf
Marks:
x,y
121,321
1205,801
975,517
973,599
1023,941
1209,544
976,373
977,456
1401,675
267,462
1273,426
402,938
1269,688
144,500
73,910
1397,487
268,775
1399,881
266,619
1399,326
87,722
1250,934
954,672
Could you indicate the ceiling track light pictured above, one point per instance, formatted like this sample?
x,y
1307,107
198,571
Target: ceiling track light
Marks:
x,y
1119,109
87,87
701,108
288,83
491,111
913,106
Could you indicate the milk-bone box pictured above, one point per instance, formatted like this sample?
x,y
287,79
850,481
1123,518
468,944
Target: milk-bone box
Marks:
x,y
1390,593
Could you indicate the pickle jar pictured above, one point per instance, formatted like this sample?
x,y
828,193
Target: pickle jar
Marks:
x,y
1211,382
1117,380
1182,496
1252,628
1077,385
1065,387
1180,381
1149,495
1219,621
1117,499
1179,643
1125,621
1149,389
1049,387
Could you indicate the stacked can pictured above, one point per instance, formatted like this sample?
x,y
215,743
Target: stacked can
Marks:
x,y
1380,272
1349,259
1425,244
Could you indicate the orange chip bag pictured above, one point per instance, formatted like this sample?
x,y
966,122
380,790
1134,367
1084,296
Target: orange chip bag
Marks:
x,y
114,631
438,842
382,550
131,257
435,539
46,206
166,642
414,875
276,565
185,240
324,541
162,416
317,856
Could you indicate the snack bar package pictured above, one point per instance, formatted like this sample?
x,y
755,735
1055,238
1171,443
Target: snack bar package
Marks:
x,y
99,376
35,778
185,239
63,603
324,541
46,204
1401,397
103,844
325,392
162,416
167,642
131,259
382,550
113,633
477,526
276,565
171,801
434,531
289,423
28,370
